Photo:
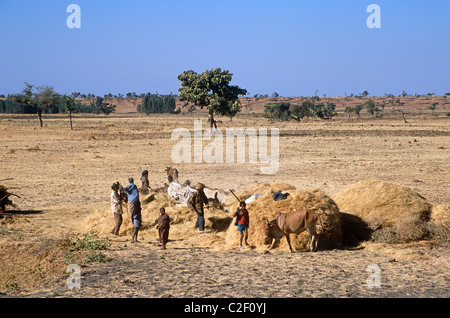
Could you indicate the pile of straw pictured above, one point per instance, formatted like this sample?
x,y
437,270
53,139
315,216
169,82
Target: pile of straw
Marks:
x,y
264,208
382,202
395,214
182,222
221,234
390,213
440,214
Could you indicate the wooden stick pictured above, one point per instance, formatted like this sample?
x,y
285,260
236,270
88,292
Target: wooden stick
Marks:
x,y
235,196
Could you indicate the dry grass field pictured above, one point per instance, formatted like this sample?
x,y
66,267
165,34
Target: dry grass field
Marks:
x,y
64,179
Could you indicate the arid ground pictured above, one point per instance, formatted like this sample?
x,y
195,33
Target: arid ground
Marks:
x,y
64,177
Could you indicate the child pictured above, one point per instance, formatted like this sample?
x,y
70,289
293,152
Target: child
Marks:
x,y
163,227
242,220
137,222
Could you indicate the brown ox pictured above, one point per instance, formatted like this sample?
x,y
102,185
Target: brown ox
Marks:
x,y
293,222
173,173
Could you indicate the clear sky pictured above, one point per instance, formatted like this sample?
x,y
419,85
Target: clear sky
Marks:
x,y
291,47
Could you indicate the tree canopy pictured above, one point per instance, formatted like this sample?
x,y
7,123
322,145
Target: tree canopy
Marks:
x,y
42,98
211,89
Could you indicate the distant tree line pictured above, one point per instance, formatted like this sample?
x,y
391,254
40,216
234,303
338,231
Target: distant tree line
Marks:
x,y
41,100
44,100
157,104
369,105
9,106
309,108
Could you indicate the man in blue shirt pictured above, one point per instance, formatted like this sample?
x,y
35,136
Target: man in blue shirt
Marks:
x,y
134,207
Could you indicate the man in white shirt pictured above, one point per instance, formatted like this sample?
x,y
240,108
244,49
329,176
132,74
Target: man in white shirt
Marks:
x,y
116,207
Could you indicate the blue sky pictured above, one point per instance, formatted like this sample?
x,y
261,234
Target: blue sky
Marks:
x,y
290,47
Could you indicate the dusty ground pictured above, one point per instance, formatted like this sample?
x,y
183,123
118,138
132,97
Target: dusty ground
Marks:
x,y
146,271
64,176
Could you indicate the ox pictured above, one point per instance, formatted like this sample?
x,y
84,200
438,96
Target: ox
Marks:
x,y
293,222
217,198
173,173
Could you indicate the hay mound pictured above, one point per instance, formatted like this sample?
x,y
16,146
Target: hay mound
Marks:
x,y
102,220
383,202
396,214
440,214
220,232
439,226
265,208
263,188
182,222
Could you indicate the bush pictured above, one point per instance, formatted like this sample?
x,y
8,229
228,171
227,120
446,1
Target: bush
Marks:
x,y
103,108
301,111
372,108
286,111
325,111
91,244
277,111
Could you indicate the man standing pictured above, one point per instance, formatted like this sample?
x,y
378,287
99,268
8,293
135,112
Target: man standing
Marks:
x,y
198,199
163,227
134,207
116,207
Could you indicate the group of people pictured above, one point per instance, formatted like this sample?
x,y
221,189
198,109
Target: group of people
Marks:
x,y
198,202
130,194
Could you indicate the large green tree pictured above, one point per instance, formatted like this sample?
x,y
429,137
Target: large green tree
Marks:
x,y
211,89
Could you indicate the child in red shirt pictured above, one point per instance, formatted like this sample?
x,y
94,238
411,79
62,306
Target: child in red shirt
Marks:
x,y
242,221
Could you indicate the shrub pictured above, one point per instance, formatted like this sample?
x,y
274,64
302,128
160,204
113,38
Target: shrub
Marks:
x,y
301,111
277,111
91,244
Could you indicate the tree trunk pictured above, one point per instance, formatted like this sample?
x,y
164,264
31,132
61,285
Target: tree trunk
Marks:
x,y
404,119
403,114
39,113
70,119
211,120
